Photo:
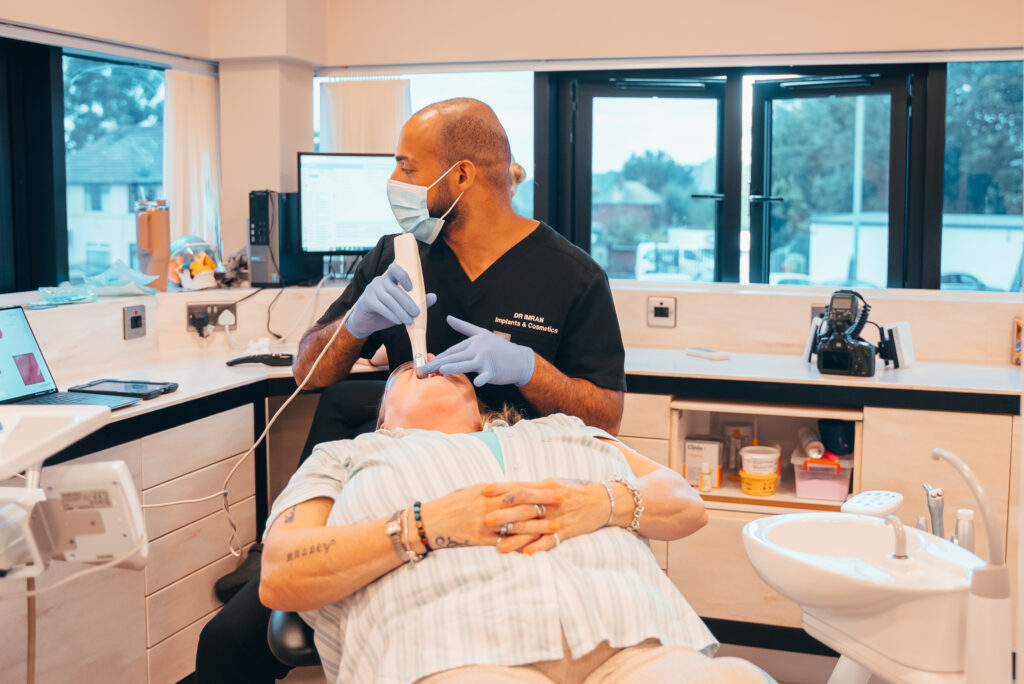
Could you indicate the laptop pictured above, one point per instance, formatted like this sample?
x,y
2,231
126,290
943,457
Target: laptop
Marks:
x,y
24,375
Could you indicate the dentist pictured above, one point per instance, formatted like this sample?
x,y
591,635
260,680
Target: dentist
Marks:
x,y
528,314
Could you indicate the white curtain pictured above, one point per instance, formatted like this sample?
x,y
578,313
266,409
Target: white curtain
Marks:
x,y
363,116
192,155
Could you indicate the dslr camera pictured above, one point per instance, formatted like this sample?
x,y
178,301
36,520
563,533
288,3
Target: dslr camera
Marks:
x,y
837,341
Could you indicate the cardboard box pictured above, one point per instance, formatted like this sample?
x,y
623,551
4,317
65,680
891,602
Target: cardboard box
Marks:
x,y
696,452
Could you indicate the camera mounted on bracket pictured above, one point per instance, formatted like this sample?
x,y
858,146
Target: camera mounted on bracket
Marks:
x,y
836,338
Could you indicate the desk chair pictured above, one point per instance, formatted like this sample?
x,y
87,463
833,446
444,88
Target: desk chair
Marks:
x,y
291,639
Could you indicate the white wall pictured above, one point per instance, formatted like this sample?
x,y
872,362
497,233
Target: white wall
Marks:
x,y
399,32
180,27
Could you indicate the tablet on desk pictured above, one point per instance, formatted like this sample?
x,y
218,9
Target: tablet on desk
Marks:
x,y
142,389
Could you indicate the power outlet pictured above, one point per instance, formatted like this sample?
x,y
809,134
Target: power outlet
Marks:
x,y
207,315
661,312
134,322
818,310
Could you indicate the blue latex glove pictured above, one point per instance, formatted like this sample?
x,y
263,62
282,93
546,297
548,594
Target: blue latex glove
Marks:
x,y
495,360
385,303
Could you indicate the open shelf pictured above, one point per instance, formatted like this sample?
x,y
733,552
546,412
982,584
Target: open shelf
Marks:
x,y
784,497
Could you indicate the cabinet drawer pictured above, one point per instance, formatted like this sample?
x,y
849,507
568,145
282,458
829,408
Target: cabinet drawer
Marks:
x,y
183,551
654,449
646,415
175,658
203,482
130,453
711,568
172,453
177,606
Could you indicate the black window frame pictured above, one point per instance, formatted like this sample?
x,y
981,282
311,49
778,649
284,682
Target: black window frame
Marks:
x,y
915,244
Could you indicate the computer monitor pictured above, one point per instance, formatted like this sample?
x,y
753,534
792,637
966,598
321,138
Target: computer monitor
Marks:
x,y
343,202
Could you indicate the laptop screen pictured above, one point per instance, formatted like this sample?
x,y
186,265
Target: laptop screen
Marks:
x,y
23,372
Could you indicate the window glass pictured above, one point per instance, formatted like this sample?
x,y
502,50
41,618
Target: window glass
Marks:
x,y
982,177
509,93
645,220
829,221
113,136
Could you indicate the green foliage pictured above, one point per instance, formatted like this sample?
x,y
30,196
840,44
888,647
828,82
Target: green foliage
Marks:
x,y
102,98
984,138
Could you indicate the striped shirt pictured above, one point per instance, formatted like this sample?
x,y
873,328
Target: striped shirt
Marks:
x,y
475,605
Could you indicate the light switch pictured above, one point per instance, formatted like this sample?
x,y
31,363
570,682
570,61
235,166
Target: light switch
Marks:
x,y
661,312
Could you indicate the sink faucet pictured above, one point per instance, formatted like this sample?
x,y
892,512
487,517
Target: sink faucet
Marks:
x,y
900,550
935,502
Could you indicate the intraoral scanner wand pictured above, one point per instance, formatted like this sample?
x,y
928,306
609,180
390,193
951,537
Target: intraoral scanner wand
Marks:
x,y
407,255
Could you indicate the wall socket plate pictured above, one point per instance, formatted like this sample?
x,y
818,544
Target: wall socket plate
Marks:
x,y
661,312
134,322
213,311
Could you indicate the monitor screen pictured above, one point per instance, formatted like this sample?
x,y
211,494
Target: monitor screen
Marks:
x,y
343,202
23,372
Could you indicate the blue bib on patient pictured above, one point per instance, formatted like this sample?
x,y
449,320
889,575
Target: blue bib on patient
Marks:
x,y
491,440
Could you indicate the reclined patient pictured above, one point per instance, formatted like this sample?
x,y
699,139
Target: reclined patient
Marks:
x,y
455,546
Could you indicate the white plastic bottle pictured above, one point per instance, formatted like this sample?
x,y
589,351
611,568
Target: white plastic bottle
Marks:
x,y
810,442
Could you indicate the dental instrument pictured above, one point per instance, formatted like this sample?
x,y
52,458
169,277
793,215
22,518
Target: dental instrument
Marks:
x,y
407,255
989,624
935,505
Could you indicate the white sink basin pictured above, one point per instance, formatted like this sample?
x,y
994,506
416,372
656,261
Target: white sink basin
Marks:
x,y
839,568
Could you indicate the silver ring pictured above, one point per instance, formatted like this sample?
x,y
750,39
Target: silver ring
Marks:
x,y
541,510
557,540
505,530
497,544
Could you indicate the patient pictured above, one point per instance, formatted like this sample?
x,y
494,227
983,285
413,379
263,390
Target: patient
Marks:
x,y
518,565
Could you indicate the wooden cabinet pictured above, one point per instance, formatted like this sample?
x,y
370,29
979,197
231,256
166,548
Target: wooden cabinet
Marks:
x,y
139,626
711,569
645,428
897,456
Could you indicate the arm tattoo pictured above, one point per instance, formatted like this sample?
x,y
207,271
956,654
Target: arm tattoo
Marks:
x,y
289,515
449,543
308,550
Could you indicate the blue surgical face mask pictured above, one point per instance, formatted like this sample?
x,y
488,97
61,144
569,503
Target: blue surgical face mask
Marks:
x,y
409,203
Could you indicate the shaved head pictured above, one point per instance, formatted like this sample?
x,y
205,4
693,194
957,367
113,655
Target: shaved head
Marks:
x,y
469,129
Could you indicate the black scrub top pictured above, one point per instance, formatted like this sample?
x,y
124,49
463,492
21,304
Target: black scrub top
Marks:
x,y
544,293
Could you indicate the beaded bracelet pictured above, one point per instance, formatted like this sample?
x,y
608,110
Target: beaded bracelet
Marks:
x,y
419,527
638,502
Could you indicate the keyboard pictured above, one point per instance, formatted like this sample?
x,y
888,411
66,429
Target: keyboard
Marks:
x,y
64,398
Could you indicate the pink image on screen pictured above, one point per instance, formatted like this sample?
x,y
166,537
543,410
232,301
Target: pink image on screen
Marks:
x,y
29,369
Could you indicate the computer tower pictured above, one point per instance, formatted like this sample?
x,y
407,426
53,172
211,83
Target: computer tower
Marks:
x,y
275,259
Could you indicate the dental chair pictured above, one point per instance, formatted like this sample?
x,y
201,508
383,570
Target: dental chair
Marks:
x,y
291,639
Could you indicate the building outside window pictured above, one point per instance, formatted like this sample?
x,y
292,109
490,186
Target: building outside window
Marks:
x,y
113,136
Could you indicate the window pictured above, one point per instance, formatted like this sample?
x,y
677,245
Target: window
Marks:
x,y
509,93
982,177
113,136
828,176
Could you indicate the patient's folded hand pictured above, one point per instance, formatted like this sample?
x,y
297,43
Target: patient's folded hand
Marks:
x,y
579,508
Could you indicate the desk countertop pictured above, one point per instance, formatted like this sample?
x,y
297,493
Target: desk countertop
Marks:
x,y
202,374
788,369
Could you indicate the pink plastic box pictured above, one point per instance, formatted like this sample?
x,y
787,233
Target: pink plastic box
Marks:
x,y
820,478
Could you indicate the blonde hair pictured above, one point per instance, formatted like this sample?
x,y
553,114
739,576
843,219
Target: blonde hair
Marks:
x,y
517,174
507,415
